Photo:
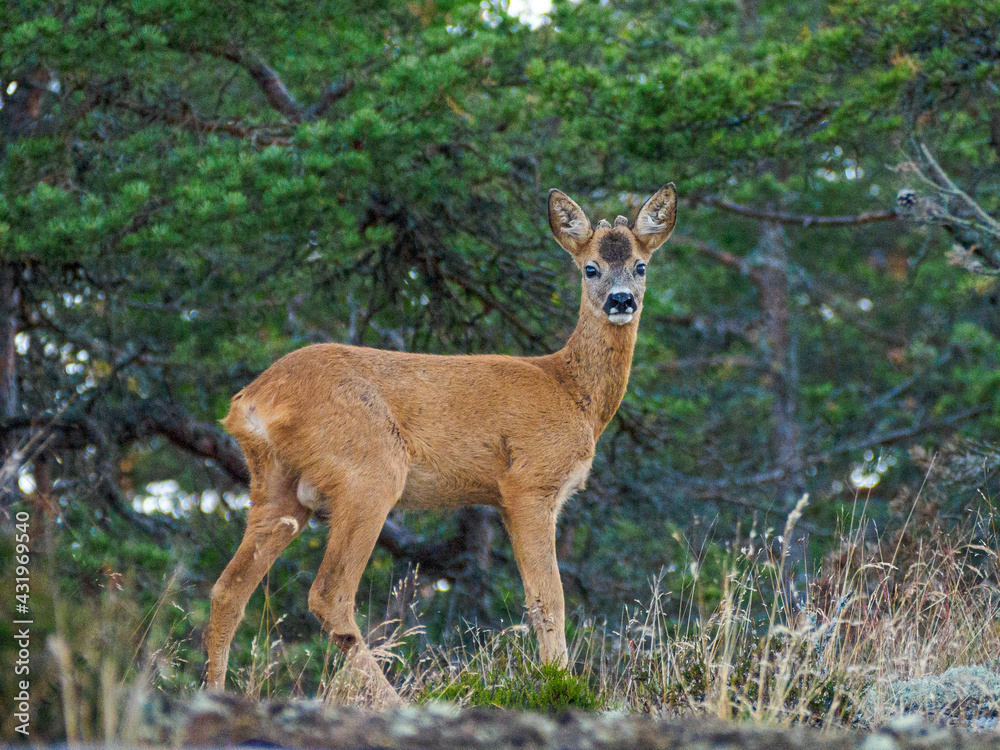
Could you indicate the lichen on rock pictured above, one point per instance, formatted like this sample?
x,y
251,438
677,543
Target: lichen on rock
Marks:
x,y
961,696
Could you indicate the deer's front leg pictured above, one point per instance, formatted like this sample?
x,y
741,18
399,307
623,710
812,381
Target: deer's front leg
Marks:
x,y
532,528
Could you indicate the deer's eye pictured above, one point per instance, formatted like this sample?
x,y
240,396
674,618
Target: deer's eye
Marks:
x,y
592,271
640,270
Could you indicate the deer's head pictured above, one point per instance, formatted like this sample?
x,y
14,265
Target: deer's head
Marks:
x,y
613,257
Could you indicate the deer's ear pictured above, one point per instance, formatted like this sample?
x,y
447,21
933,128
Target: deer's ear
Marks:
x,y
656,218
568,222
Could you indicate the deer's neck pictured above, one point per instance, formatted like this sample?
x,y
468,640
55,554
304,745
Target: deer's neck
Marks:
x,y
596,362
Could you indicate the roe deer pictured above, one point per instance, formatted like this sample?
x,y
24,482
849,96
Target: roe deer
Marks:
x,y
355,432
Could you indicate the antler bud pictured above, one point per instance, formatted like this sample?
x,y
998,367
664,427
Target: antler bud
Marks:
x,y
621,221
603,223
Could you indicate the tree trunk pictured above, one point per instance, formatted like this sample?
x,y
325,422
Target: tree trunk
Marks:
x,y
477,526
8,379
749,22
564,547
783,374
20,116
44,506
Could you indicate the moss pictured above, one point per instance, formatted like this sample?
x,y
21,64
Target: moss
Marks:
x,y
529,687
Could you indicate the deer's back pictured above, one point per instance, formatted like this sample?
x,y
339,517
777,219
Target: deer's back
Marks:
x,y
463,424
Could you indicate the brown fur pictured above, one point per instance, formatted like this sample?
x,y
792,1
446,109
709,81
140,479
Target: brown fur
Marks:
x,y
616,247
354,432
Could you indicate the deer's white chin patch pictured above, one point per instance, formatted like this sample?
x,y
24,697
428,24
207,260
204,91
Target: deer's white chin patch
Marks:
x,y
620,319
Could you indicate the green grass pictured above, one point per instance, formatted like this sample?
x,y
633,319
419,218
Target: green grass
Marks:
x,y
522,685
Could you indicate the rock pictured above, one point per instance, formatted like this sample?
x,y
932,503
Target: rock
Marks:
x,y
879,742
226,720
962,696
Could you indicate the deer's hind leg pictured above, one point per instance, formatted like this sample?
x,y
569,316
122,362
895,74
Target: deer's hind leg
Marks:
x,y
275,518
360,500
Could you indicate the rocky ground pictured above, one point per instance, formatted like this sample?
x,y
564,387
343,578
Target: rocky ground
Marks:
x,y
962,696
229,720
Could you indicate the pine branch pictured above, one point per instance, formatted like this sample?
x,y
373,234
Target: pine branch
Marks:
x,y
898,436
700,363
331,95
715,488
189,120
724,257
781,217
266,78
272,86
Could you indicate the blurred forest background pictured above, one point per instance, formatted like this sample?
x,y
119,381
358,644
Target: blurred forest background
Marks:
x,y
190,189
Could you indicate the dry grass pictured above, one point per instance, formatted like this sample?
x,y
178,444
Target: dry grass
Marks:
x,y
775,650
762,644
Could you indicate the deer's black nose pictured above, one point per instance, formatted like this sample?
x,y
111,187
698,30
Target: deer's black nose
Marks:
x,y
619,302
